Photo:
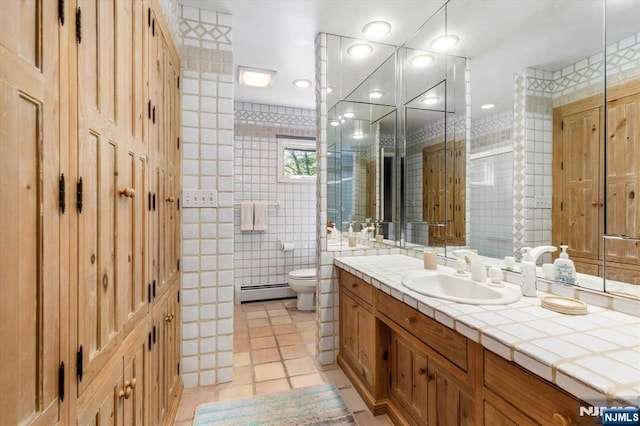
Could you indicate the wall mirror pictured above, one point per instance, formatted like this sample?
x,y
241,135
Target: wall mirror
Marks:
x,y
551,160
361,142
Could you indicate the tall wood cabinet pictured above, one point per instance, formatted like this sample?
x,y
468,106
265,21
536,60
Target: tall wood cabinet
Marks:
x,y
443,193
581,202
89,223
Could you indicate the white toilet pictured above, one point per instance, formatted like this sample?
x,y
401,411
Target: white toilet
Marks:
x,y
303,282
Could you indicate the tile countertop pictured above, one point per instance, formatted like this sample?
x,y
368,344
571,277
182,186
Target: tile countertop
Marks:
x,y
593,356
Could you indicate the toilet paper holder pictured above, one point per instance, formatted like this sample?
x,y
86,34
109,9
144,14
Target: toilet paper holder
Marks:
x,y
287,245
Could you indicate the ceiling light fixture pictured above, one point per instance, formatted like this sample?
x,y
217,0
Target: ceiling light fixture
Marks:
x,y
445,41
359,50
421,60
334,122
376,94
302,83
430,100
377,29
348,115
487,106
255,77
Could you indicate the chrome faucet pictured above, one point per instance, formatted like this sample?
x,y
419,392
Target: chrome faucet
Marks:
x,y
478,270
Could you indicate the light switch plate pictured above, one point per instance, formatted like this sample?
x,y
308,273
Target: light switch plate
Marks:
x,y
193,198
542,202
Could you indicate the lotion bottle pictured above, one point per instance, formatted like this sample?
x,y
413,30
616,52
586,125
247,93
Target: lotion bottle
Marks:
x,y
352,238
564,271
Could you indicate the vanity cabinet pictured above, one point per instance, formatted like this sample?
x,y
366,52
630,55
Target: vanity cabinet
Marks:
x,y
420,371
357,330
516,394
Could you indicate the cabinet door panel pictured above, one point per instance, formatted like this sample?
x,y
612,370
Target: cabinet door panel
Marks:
x,y
452,406
30,240
409,378
366,344
623,178
581,183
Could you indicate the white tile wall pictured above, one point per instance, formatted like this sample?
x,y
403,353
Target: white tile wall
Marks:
x,y
207,159
258,258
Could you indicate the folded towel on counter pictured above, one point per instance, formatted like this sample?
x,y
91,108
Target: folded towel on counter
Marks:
x,y
246,216
260,216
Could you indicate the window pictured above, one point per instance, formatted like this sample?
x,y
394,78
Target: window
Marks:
x,y
297,160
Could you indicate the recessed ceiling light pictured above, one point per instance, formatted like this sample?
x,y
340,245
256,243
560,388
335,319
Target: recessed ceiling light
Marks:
x,y
359,50
444,41
376,94
488,106
430,100
377,29
358,135
421,60
255,77
348,115
334,122
329,89
302,83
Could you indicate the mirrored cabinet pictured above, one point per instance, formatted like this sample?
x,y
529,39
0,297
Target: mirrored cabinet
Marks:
x,y
492,129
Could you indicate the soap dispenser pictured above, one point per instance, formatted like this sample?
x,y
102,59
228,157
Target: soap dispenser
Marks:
x,y
352,238
529,268
564,271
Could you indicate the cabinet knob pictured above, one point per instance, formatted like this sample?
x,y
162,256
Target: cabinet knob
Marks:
x,y
170,199
408,320
354,285
126,393
127,192
133,383
560,419
355,305
422,371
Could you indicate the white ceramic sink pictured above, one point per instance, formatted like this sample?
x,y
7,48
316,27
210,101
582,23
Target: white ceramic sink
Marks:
x,y
457,289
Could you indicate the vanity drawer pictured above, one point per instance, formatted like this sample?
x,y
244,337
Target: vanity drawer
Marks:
x,y
356,286
536,398
441,338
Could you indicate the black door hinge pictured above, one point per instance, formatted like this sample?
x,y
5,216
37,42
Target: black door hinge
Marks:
x,y
153,114
149,109
62,197
178,143
562,165
389,379
149,293
154,334
561,206
178,78
61,12
153,27
79,360
149,201
154,201
149,341
78,25
79,195
61,382
178,204
178,296
562,125
178,368
154,290
149,17
178,264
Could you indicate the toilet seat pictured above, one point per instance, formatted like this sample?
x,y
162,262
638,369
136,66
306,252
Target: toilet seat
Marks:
x,y
302,274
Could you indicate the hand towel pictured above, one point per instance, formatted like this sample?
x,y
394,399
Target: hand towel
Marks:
x,y
246,216
260,216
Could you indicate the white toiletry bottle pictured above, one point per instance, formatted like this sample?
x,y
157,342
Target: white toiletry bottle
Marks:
x,y
564,271
352,238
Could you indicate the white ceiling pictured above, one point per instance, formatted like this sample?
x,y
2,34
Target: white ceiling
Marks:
x,y
501,37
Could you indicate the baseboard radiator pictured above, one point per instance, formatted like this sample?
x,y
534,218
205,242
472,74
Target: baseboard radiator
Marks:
x,y
266,292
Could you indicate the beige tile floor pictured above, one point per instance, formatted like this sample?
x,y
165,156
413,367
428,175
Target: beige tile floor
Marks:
x,y
274,350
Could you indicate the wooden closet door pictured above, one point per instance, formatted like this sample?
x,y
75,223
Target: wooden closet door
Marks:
x,y
623,178
30,241
581,194
111,285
